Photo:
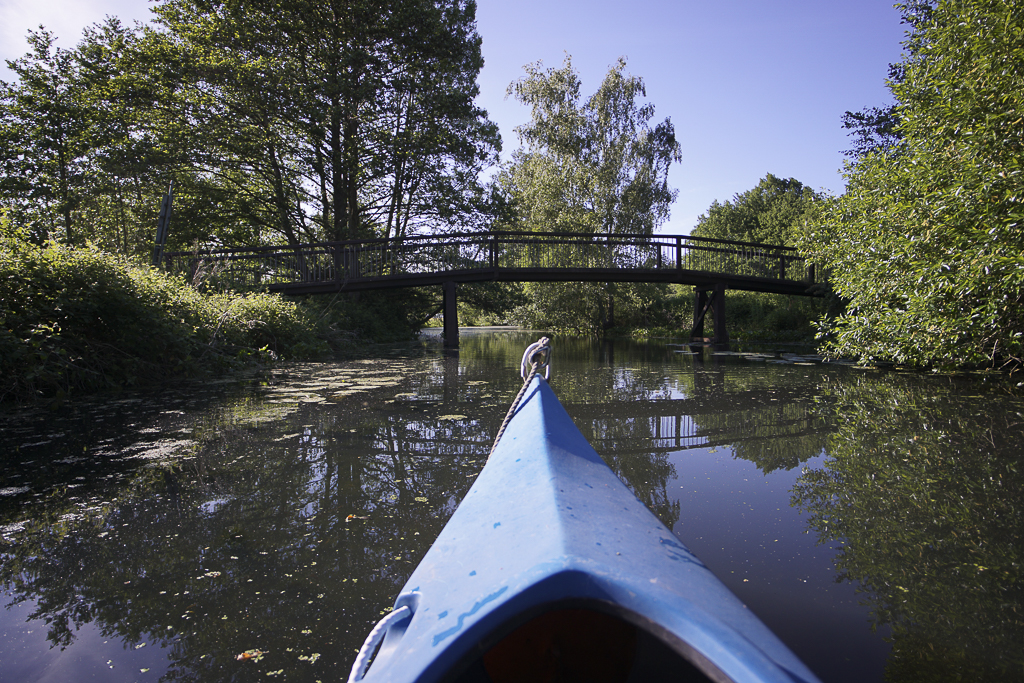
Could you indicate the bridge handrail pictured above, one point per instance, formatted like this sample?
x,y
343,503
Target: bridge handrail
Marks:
x,y
571,237
422,255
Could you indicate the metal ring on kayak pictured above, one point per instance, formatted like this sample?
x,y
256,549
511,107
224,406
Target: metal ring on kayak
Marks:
x,y
537,356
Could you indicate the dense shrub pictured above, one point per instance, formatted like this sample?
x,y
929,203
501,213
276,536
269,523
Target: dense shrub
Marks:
x,y
927,244
76,320
758,316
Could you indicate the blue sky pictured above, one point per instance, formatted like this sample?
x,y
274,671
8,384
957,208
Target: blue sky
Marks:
x,y
753,87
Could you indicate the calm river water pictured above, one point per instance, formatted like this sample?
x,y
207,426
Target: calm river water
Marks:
x,y
871,518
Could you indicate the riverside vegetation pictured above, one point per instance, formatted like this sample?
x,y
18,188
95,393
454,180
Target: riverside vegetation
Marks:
x,y
77,320
250,111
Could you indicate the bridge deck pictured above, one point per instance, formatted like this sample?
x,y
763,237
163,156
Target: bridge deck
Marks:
x,y
503,256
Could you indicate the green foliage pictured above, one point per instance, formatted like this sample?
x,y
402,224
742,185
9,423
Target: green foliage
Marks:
x,y
874,129
771,317
387,315
776,211
595,167
922,489
334,121
489,303
591,167
588,308
44,129
88,145
926,243
79,320
277,123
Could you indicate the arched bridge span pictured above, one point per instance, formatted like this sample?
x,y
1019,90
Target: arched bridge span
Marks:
x,y
711,266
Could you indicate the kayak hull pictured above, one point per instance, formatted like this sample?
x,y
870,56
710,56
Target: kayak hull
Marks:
x,y
547,538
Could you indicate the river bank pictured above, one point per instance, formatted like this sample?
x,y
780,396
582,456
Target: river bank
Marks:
x,y
80,321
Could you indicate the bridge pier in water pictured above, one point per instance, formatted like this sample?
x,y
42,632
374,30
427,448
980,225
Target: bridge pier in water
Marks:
x,y
706,299
451,315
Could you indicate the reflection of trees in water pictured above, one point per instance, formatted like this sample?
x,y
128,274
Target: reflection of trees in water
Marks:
x,y
766,417
254,528
923,486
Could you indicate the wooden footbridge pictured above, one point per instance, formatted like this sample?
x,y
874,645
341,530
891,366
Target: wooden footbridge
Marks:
x,y
711,266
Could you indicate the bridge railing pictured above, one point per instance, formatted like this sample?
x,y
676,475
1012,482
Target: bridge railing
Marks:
x,y
428,254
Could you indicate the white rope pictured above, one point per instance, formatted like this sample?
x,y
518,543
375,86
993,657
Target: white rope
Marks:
x,y
537,354
370,644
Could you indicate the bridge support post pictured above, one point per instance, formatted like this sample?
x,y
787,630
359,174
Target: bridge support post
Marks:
x,y
714,300
700,307
721,334
451,316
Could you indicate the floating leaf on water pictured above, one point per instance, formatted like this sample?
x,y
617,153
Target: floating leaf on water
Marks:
x,y
13,490
343,394
254,655
420,499
452,417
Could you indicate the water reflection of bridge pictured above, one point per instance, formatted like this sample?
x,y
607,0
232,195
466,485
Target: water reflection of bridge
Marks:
x,y
742,419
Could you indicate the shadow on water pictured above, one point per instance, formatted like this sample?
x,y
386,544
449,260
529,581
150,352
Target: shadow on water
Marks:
x,y
276,516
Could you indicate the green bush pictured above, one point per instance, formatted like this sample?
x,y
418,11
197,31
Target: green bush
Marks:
x,y
927,244
771,317
79,320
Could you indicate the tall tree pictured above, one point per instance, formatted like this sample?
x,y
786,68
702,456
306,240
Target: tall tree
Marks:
x,y
44,139
926,243
776,211
89,143
602,166
345,119
596,166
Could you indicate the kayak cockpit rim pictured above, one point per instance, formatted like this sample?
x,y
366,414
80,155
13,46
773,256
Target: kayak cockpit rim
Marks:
x,y
625,646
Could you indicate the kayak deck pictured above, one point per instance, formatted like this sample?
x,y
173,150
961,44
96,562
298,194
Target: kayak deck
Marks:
x,y
551,569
